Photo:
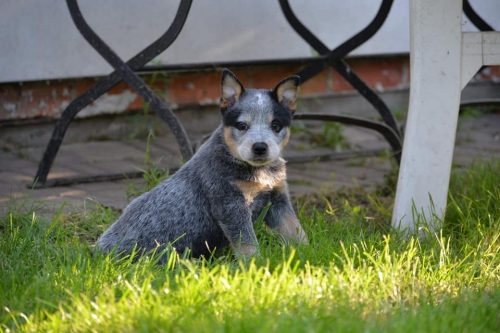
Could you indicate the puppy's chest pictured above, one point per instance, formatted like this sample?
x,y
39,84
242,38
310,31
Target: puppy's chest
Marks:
x,y
262,182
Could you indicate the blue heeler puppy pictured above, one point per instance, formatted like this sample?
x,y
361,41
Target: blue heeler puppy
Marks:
x,y
213,200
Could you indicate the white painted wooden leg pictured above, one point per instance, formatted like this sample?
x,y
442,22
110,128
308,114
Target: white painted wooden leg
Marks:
x,y
436,33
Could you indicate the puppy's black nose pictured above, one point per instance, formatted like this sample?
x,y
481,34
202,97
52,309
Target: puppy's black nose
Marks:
x,y
259,148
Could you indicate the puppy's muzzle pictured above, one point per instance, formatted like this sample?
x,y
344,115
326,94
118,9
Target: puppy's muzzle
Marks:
x,y
259,149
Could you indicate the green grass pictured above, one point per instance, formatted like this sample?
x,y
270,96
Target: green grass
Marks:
x,y
353,277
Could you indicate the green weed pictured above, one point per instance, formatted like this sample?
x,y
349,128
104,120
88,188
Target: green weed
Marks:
x,y
145,122
399,113
152,173
331,135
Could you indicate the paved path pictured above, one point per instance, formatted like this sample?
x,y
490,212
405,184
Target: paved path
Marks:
x,y
478,138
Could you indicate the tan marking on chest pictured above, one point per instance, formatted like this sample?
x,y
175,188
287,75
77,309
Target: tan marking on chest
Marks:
x,y
282,187
251,189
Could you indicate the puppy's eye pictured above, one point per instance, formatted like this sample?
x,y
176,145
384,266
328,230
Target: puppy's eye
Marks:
x,y
241,126
276,126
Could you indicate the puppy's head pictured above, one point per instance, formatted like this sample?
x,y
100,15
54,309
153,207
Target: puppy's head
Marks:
x,y
257,121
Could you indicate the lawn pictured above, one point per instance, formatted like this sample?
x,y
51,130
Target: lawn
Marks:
x,y
355,276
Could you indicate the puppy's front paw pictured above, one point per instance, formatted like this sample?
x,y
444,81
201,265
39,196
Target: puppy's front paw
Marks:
x,y
301,236
246,251
291,230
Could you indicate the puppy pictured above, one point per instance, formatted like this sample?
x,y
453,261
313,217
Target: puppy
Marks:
x,y
213,200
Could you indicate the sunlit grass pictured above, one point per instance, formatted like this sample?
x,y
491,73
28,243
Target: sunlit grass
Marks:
x,y
352,277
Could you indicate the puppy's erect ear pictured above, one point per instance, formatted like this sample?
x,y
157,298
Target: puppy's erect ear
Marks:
x,y
286,92
231,89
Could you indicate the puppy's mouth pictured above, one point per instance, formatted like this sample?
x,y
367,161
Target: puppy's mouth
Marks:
x,y
259,161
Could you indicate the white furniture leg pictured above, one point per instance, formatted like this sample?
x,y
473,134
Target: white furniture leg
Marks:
x,y
443,60
435,87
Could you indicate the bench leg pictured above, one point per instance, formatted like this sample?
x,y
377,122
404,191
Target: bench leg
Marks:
x,y
436,34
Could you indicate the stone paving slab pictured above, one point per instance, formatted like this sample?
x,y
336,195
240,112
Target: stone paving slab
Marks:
x,y
477,138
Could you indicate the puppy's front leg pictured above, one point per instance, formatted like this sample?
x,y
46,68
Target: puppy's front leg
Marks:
x,y
235,221
281,217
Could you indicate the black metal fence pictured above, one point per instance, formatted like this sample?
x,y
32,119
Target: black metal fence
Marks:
x,y
126,71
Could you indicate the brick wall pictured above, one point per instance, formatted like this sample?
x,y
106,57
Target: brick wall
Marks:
x,y
49,98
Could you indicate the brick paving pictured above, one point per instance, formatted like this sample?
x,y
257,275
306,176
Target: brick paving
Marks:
x,y
478,138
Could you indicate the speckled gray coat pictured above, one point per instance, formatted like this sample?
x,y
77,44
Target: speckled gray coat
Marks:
x,y
213,200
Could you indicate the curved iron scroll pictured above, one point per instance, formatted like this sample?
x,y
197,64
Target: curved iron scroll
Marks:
x,y
391,137
333,57
132,79
104,85
340,51
475,18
